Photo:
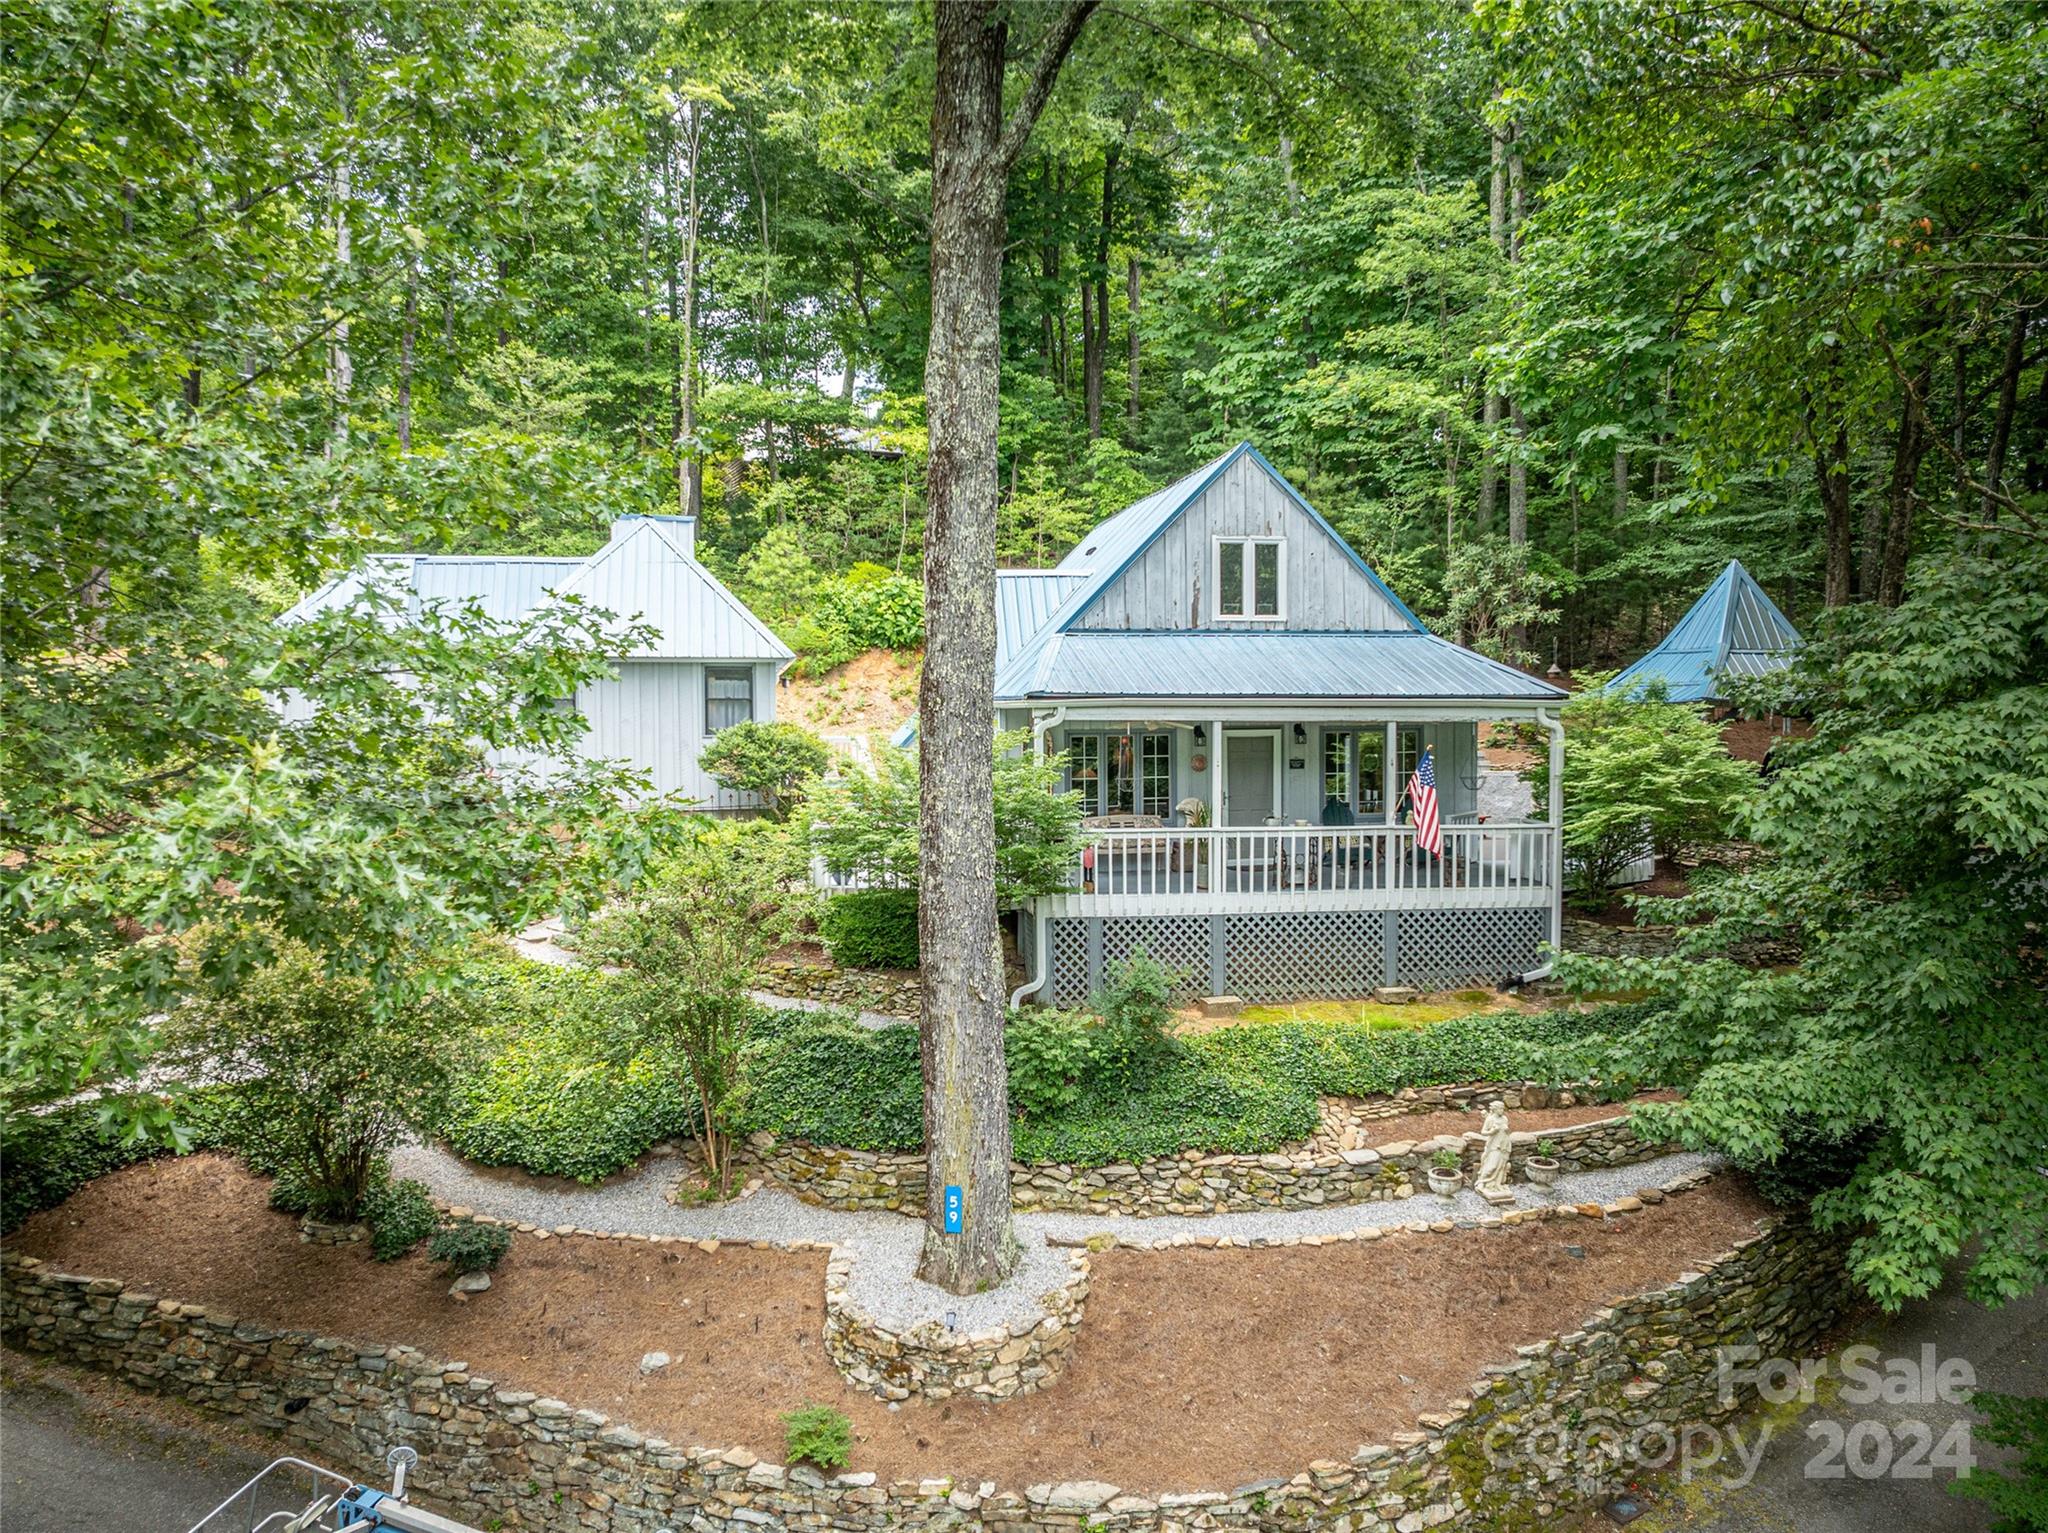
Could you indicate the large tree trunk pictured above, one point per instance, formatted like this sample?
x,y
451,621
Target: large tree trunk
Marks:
x,y
1095,347
408,325
1131,330
689,466
1831,471
966,1085
2001,421
1900,496
1490,409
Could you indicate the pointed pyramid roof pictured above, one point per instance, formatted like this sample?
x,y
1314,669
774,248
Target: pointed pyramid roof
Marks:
x,y
1734,629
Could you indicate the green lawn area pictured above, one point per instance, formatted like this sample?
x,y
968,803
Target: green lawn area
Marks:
x,y
1377,1017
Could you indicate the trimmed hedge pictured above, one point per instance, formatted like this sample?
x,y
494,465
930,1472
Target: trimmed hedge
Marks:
x,y
549,1093
1240,1090
871,928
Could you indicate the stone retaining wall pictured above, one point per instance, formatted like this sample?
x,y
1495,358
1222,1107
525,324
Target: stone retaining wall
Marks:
x,y
504,1457
882,990
1313,1176
929,1362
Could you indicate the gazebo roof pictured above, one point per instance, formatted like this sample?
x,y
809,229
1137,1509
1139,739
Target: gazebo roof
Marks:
x,y
1734,629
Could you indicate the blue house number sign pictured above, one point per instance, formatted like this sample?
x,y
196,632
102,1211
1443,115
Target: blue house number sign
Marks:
x,y
953,1205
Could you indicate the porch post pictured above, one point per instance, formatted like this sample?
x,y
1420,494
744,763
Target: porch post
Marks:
x,y
1216,772
1390,767
1556,812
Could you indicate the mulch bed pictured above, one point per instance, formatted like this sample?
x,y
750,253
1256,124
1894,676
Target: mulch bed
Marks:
x,y
1195,1370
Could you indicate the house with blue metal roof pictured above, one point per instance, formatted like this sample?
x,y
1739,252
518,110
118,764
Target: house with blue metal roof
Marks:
x,y
709,663
1734,629
1240,701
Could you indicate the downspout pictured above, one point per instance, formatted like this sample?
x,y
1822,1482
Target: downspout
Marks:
x,y
1555,809
1040,950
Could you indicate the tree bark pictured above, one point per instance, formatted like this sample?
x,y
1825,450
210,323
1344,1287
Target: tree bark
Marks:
x,y
2001,422
342,364
1900,496
1620,489
1490,409
1131,334
1831,471
689,466
1095,348
966,1085
408,326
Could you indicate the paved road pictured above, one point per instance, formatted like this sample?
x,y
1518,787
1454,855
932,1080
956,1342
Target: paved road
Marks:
x,y
75,1457
2007,1350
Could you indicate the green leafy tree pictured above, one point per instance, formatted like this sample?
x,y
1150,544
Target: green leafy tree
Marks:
x,y
867,824
777,761
2019,1495
1640,775
1903,855
327,1081
689,946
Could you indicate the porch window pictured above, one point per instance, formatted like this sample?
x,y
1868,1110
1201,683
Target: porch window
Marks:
x,y
1155,783
728,696
1339,779
1250,582
1121,773
1372,767
1084,771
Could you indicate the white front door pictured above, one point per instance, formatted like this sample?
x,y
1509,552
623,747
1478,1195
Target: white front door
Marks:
x,y
1251,776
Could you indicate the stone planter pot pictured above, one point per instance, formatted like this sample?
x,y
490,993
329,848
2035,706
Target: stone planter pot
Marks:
x,y
1542,1170
1445,1184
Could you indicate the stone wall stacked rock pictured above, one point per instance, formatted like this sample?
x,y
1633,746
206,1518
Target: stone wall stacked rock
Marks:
x,y
1311,1176
929,1362
1635,1373
882,990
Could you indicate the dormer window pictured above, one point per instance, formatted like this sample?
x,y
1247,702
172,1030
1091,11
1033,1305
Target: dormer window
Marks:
x,y
1250,584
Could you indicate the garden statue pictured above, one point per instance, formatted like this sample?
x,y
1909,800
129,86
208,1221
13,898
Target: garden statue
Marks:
x,y
1492,1181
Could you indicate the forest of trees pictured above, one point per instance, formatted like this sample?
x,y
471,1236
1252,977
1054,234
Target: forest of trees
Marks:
x,y
1549,330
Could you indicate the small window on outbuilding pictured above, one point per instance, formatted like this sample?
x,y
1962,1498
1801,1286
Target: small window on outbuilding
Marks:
x,y
728,696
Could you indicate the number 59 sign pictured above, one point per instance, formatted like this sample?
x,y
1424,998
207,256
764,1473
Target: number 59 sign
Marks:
x,y
954,1205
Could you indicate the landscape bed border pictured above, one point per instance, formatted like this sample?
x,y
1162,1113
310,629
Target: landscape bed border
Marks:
x,y
1312,1175
538,1463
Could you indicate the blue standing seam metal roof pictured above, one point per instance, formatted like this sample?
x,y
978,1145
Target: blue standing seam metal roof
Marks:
x,y
1401,665
506,586
1025,602
646,571
1734,629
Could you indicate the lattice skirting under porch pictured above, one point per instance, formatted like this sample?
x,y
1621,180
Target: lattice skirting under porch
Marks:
x,y
1281,956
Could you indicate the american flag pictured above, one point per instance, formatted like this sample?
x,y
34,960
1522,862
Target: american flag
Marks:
x,y
1429,830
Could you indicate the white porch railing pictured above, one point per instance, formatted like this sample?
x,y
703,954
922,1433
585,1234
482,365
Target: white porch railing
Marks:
x,y
1295,867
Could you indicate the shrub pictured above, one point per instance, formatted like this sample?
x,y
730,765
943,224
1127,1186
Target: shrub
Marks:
x,y
1640,774
400,1216
334,1074
868,823
553,1090
1445,1160
1135,1036
1049,1054
776,761
819,1435
689,948
871,928
839,1083
467,1246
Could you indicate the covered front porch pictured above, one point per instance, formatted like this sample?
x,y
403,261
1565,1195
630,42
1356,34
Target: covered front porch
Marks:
x,y
1269,850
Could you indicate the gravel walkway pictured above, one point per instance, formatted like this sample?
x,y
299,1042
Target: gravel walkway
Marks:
x,y
884,1247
